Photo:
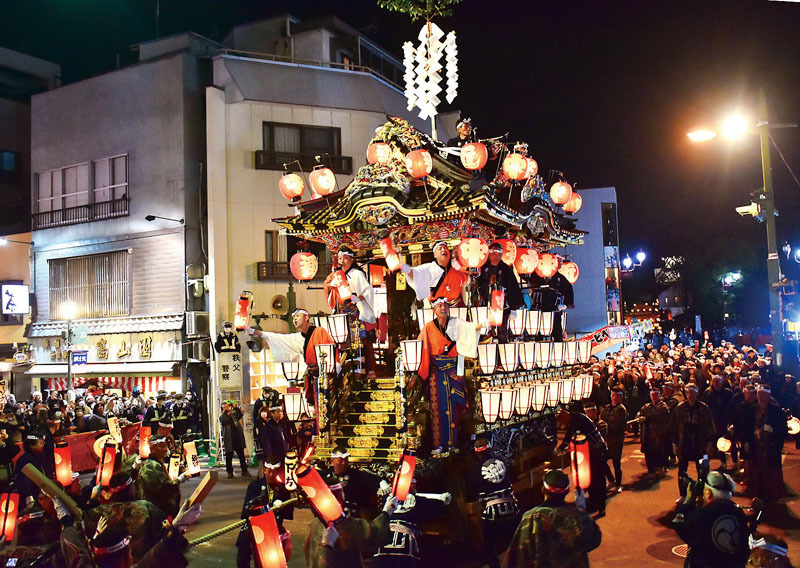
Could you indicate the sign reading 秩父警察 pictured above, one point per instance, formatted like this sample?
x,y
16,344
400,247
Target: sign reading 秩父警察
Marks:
x,y
229,370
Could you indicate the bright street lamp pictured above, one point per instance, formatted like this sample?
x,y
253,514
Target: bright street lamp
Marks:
x,y
734,127
701,135
640,256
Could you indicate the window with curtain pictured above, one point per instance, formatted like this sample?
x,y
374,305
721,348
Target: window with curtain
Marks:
x,y
286,143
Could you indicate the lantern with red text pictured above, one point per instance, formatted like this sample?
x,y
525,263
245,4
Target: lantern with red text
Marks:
x,y
9,508
419,163
515,166
509,250
547,265
570,271
63,463
526,261
561,192
105,468
472,254
474,156
404,475
192,459
379,153
144,441
322,499
291,186
303,266
496,305
533,168
267,540
574,203
322,180
393,260
579,459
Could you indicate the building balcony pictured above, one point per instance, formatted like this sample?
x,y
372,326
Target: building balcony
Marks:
x,y
277,271
81,214
275,160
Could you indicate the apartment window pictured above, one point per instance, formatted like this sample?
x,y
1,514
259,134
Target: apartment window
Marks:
x,y
98,283
110,178
610,237
285,143
10,167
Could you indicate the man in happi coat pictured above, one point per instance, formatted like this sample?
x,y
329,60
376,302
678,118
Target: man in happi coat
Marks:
x,y
445,343
438,279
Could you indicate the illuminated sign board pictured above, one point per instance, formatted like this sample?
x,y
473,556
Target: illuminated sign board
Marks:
x,y
15,299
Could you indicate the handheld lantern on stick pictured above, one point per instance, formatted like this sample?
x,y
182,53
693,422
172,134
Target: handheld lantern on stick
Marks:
x,y
114,429
267,540
144,441
192,460
9,509
63,461
404,475
579,459
242,317
174,469
105,469
325,504
496,308
393,261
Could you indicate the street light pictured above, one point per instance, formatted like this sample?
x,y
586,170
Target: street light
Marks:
x,y
628,264
69,309
4,241
152,218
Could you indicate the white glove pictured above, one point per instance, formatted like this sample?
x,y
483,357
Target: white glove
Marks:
x,y
183,477
330,536
276,503
354,299
250,331
391,505
405,269
448,498
384,488
187,517
561,307
61,509
137,463
580,499
767,428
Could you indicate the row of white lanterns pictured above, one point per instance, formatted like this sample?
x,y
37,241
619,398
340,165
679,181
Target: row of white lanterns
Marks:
x,y
520,399
535,322
531,354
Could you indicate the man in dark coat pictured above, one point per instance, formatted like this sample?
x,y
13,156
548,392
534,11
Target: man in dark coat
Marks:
x,y
497,275
654,418
770,434
693,427
616,416
181,417
272,438
157,413
233,436
578,423
718,397
360,486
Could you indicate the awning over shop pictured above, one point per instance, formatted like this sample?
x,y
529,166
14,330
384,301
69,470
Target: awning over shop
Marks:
x,y
145,384
170,322
148,376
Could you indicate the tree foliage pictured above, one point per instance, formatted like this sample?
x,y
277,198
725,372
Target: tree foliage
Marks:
x,y
420,8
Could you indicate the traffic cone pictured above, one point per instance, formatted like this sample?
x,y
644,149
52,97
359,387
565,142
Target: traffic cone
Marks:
x,y
212,453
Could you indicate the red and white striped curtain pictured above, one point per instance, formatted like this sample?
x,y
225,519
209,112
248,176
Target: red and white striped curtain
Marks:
x,y
145,384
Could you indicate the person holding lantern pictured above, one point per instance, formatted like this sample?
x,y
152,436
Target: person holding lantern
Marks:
x,y
497,275
360,486
654,418
153,482
577,422
439,278
446,342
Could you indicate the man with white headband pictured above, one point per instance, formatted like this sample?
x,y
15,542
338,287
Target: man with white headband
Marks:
x,y
770,434
360,486
693,427
438,278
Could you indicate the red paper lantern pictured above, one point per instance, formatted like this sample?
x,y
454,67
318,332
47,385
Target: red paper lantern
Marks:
x,y
303,266
579,459
144,441
574,203
393,260
322,180
379,153
241,318
509,250
496,308
547,266
474,156
533,168
105,468
63,462
472,253
339,282
419,163
404,475
9,509
267,539
570,271
325,504
526,261
561,192
291,186
515,166
376,276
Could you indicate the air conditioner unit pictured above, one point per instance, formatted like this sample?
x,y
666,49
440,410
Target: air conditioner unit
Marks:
x,y
197,324
201,350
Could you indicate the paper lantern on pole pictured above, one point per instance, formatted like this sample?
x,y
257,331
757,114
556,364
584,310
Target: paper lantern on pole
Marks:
x,y
490,405
192,459
527,355
412,354
553,393
547,265
63,461
290,370
508,398
570,271
574,203
532,325
303,266
293,401
533,168
322,499
515,166
509,356
472,253
584,351
144,441
526,261
267,540
174,467
509,250
523,402
561,192
419,163
496,308
291,186
9,508
404,476
516,321
338,327
339,282
579,459
546,323
539,400
105,468
379,153
474,156
393,260
487,357
723,444
329,350
322,180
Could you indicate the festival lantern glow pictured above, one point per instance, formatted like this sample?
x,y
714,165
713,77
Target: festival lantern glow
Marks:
x,y
376,276
574,204
339,281
547,265
412,354
424,316
553,393
526,261
557,354
481,313
509,356
379,153
516,321
403,477
544,354
9,507
533,168
290,370
114,429
241,317
293,401
584,351
508,399
192,460
338,327
577,388
588,386
144,441
496,308
63,461
515,166
723,444
561,192
322,499
267,539
472,253
570,271
291,186
579,459
527,355
303,266
509,250
571,353
419,163
490,405
487,357
105,468
534,318
329,349
174,468
393,260
793,426
539,401
322,180
523,402
546,323
474,156
567,386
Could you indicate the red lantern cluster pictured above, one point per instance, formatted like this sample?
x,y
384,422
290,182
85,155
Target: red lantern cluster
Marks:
x,y
474,156
303,266
561,192
509,250
291,186
419,163
515,166
472,253
574,203
379,153
570,271
393,260
547,266
322,180
526,261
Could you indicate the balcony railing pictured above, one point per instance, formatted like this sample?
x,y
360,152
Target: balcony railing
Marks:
x,y
271,271
275,160
81,214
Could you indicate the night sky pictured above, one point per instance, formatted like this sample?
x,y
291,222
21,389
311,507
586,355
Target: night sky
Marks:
x,y
603,91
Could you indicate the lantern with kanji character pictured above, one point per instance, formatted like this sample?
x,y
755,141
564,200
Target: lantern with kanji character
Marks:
x,y
63,463
144,441
303,266
9,509
379,153
533,168
526,261
419,163
267,540
490,404
412,354
574,203
496,305
322,499
474,156
579,460
393,260
508,399
472,253
174,467
192,459
339,282
291,186
322,180
487,357
509,356
547,266
105,468
114,429
376,275
515,166
401,485
523,402
561,192
570,271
